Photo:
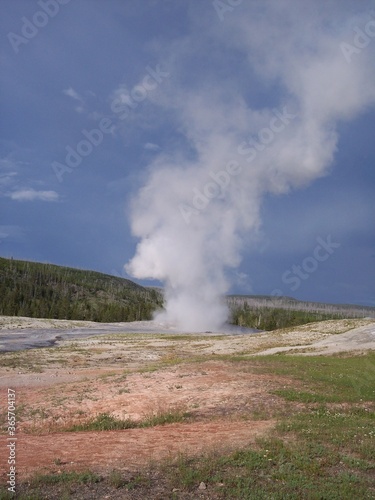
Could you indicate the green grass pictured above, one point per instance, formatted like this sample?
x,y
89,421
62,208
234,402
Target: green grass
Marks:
x,y
35,495
106,422
69,485
325,379
351,430
324,450
116,479
318,378
86,477
163,418
294,471
103,422
275,471
5,495
39,484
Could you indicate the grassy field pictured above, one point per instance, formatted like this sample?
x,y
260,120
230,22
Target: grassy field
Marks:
x,y
324,450
323,446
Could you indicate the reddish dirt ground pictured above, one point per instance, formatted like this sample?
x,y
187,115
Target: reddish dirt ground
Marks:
x,y
132,448
223,401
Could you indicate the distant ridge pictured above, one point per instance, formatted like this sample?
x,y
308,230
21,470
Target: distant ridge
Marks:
x,y
290,302
41,290
269,313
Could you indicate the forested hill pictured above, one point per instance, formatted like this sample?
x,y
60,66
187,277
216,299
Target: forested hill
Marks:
x,y
269,313
49,291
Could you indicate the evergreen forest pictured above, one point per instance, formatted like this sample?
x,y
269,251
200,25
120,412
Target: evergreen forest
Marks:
x,y
48,291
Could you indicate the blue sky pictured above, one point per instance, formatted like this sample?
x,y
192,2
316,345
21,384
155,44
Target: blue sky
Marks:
x,y
177,84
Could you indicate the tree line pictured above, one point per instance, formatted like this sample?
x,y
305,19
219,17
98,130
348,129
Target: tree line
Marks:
x,y
270,313
48,291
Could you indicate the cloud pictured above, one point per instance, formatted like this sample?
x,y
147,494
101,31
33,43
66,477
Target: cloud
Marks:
x,y
33,195
122,93
7,178
9,171
11,232
70,92
7,164
135,106
150,146
73,94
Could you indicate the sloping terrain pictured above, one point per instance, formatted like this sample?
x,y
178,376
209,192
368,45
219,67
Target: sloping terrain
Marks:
x,y
49,291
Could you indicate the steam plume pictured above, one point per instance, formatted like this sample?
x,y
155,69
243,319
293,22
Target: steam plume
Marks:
x,y
196,210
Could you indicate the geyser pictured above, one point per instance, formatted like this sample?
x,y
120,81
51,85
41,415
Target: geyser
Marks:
x,y
192,221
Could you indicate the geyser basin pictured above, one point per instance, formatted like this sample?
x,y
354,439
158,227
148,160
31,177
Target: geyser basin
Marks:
x,y
225,329
237,330
30,338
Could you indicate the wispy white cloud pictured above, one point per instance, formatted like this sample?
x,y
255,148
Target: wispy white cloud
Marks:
x,y
6,163
8,172
150,146
11,232
122,93
7,178
243,280
70,92
3,234
33,195
136,105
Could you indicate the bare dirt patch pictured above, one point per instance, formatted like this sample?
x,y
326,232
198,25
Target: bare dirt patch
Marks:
x,y
226,406
132,448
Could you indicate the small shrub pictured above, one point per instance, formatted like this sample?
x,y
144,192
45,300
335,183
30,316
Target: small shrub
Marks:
x,y
104,422
163,418
115,479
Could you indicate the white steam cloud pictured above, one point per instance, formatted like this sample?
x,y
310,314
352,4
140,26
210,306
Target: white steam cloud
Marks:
x,y
198,208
